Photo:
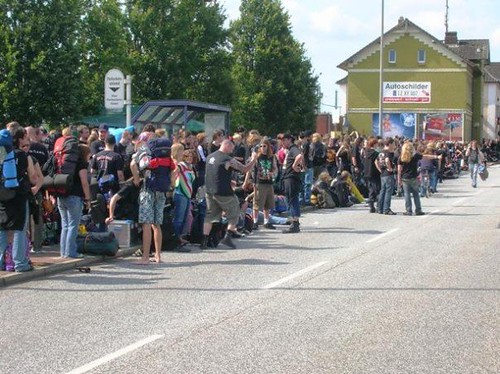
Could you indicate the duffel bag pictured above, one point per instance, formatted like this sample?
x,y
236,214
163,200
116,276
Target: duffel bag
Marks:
x,y
97,244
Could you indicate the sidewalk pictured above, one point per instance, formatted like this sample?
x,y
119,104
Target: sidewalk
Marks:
x,y
49,262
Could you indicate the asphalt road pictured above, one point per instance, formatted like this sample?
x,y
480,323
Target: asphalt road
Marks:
x,y
352,293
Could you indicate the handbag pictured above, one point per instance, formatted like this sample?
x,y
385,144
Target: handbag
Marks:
x,y
483,172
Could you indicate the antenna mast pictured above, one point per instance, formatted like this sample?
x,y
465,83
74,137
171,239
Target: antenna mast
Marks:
x,y
446,17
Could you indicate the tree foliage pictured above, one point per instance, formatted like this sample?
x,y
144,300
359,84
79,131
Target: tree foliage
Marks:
x,y
275,85
54,55
40,62
180,51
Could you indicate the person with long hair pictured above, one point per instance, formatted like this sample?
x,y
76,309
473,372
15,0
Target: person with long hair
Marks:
x,y
475,157
264,172
407,175
184,178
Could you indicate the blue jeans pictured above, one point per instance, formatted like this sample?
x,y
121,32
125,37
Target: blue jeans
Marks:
x,y
433,180
70,209
473,173
181,209
21,262
412,186
386,191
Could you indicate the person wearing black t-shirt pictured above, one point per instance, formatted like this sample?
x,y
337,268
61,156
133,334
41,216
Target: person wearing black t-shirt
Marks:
x,y
98,145
292,183
387,167
108,162
220,193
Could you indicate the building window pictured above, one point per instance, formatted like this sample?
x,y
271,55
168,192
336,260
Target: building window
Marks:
x,y
392,56
421,56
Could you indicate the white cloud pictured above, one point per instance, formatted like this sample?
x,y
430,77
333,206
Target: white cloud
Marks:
x,y
325,20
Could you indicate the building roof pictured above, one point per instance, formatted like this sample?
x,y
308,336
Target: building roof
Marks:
x,y
492,73
465,51
472,49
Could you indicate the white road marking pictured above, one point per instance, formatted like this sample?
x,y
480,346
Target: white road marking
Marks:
x,y
382,235
112,356
458,202
294,275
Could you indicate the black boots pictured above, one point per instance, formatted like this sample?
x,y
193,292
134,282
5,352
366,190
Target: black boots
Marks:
x,y
204,242
293,229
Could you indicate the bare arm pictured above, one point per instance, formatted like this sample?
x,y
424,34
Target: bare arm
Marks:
x,y
39,179
298,162
32,175
234,164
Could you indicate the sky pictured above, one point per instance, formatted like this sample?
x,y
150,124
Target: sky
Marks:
x,y
333,30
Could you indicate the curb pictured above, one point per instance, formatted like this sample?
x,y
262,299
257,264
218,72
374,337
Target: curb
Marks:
x,y
15,278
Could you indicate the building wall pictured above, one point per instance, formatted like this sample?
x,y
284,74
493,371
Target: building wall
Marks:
x,y
452,84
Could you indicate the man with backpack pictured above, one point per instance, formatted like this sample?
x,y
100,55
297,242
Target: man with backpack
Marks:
x,y
152,161
107,168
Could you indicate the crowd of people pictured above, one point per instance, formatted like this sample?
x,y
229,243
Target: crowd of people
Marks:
x,y
184,184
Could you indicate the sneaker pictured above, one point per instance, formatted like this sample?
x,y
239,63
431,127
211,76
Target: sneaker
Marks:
x,y
79,255
270,226
255,226
373,210
390,213
419,213
228,242
407,214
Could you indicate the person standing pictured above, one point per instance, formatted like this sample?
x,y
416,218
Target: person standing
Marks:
x,y
372,173
387,182
71,205
264,173
220,194
291,181
40,153
476,158
108,163
98,145
14,213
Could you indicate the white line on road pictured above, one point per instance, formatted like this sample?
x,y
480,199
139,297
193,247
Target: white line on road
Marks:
x,y
460,201
112,356
382,235
294,275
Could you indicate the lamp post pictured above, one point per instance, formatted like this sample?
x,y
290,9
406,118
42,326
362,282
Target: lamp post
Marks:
x,y
381,73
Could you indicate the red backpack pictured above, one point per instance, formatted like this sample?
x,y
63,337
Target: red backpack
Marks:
x,y
60,168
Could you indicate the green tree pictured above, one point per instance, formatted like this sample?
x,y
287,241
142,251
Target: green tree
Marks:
x,y
275,86
105,43
40,60
180,51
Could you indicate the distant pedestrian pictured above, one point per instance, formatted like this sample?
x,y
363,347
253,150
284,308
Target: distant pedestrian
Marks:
x,y
476,158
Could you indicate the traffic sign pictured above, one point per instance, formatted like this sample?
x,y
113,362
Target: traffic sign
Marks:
x,y
114,90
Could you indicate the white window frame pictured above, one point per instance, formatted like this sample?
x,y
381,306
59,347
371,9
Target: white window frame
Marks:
x,y
424,53
392,53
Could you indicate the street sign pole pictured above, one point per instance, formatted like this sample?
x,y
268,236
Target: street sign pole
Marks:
x,y
128,99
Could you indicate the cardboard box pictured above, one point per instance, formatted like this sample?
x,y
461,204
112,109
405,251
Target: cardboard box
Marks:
x,y
125,232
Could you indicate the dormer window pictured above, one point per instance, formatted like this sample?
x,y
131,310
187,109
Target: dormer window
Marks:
x,y
421,56
392,56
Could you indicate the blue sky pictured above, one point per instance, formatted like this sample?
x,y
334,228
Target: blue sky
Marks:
x,y
333,30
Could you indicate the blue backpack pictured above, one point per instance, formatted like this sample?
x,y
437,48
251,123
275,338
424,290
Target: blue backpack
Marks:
x,y
160,165
8,169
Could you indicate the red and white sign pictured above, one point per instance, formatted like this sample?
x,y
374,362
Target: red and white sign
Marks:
x,y
407,92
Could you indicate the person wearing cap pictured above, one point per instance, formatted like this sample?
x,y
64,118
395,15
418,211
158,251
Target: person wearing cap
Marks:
x,y
220,193
292,168
98,145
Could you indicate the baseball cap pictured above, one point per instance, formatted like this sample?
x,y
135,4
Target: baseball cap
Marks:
x,y
287,136
103,126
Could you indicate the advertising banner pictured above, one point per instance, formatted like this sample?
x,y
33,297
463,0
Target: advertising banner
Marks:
x,y
395,124
407,92
447,126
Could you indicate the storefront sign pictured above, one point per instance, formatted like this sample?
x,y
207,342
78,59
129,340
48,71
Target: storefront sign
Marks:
x,y
407,92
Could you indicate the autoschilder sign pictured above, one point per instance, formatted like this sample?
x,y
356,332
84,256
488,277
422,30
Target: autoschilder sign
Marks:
x,y
407,92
